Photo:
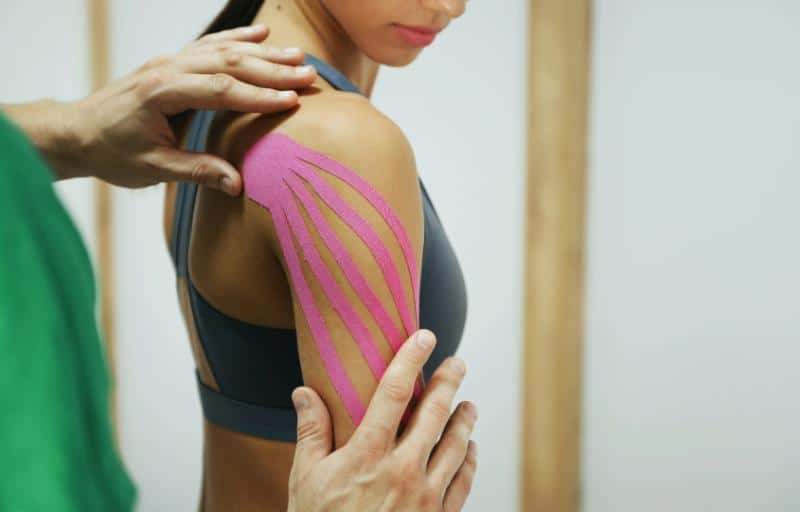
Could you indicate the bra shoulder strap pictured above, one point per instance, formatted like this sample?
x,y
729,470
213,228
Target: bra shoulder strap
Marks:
x,y
187,194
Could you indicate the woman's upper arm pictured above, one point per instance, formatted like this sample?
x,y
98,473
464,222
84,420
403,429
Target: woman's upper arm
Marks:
x,y
347,225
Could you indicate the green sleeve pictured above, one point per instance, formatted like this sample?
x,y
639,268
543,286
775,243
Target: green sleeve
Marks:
x,y
56,438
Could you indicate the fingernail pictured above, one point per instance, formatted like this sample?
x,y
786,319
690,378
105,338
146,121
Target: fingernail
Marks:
x,y
304,70
287,94
300,400
291,52
253,29
459,366
227,184
425,339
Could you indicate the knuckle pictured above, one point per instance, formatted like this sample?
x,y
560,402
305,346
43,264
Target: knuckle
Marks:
x,y
150,170
396,477
450,373
307,429
232,58
430,498
465,474
455,369
223,46
271,52
468,475
221,84
397,390
467,415
156,62
469,470
415,355
463,483
150,83
280,71
417,464
438,410
406,470
472,457
471,410
452,441
370,453
201,172
372,440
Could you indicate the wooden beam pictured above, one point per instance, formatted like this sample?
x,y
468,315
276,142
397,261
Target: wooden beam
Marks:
x,y
100,75
559,48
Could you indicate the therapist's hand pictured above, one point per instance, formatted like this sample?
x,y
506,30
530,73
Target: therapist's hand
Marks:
x,y
121,134
376,471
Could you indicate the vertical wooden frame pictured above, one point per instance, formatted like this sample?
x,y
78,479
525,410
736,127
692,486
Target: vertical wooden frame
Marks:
x,y
559,49
100,73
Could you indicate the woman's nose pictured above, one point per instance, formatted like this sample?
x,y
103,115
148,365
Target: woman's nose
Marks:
x,y
452,8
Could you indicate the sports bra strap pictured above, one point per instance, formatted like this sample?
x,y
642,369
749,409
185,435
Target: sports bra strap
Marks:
x,y
187,194
246,418
332,75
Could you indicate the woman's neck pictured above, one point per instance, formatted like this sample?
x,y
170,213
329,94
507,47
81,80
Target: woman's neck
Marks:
x,y
307,24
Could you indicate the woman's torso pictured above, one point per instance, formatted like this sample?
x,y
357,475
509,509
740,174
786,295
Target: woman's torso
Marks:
x,y
237,304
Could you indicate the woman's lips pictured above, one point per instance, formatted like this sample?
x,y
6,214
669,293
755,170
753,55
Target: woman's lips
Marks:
x,y
416,36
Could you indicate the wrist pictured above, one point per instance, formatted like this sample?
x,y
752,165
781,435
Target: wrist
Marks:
x,y
53,128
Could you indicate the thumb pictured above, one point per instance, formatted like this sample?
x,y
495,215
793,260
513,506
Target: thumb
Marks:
x,y
314,429
201,168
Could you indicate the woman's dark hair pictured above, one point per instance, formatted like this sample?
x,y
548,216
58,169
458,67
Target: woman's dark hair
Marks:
x,y
237,13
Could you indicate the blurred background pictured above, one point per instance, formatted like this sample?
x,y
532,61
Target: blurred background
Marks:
x,y
692,315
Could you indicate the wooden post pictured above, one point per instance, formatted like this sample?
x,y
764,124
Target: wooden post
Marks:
x,y
100,74
559,48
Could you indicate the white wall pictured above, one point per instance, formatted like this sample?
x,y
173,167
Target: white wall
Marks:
x,y
462,105
159,412
46,46
693,324
472,160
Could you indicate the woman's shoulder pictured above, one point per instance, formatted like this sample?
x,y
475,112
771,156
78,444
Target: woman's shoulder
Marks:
x,y
360,153
341,126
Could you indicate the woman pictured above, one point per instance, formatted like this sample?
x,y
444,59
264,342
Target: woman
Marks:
x,y
319,270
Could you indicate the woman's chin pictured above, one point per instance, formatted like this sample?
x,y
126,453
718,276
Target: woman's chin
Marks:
x,y
396,57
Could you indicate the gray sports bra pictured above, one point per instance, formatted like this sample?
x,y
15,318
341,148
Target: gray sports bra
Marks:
x,y
258,367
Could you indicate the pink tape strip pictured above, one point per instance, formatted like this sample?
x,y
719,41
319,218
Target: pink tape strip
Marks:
x,y
357,182
368,236
316,323
354,275
271,169
341,305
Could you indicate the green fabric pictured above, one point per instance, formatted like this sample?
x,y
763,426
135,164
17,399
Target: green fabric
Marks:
x,y
56,438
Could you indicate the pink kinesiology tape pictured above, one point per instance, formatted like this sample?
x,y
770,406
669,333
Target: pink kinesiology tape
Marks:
x,y
277,174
